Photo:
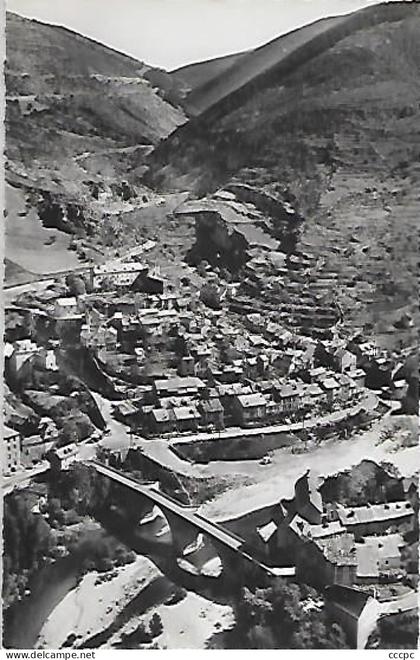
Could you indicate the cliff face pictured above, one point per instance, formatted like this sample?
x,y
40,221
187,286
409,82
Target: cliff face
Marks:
x,y
238,220
338,133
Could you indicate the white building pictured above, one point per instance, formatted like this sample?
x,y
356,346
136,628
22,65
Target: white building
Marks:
x,y
23,350
117,273
66,308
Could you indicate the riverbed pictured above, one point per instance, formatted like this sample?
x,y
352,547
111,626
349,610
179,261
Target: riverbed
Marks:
x,y
69,608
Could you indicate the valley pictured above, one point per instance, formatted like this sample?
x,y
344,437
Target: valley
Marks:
x,y
211,384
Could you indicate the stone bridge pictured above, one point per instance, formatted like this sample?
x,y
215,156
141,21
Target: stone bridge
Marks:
x,y
202,547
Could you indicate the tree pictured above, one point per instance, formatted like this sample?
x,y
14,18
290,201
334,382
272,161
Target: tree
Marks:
x,y
156,625
275,618
55,511
76,285
210,296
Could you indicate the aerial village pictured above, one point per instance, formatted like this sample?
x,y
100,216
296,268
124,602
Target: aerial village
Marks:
x,y
204,353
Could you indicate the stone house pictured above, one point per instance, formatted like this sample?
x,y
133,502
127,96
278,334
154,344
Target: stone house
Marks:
x,y
11,450
344,360
23,351
356,611
249,409
186,418
375,518
212,413
63,457
161,420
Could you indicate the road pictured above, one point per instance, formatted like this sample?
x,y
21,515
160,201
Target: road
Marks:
x,y
20,479
369,403
118,437
188,514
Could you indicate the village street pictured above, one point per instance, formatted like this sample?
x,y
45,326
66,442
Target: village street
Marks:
x,y
270,482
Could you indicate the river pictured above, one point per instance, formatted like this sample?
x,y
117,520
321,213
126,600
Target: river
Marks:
x,y
24,621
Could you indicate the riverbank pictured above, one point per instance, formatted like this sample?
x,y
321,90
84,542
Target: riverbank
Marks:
x,y
95,602
188,624
276,481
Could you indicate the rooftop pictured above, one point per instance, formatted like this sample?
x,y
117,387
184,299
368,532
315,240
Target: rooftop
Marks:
x,y
178,383
251,400
339,549
374,513
348,599
66,302
185,412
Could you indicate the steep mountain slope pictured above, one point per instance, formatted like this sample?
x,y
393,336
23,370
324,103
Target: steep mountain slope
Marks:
x,y
281,55
200,73
340,134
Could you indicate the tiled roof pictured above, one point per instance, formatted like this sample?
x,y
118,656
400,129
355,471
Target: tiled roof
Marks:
x,y
251,400
374,513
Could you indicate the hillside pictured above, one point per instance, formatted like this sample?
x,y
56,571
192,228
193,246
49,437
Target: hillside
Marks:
x,y
200,73
340,134
77,112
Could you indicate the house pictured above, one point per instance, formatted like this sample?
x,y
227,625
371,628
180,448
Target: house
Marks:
x,y
369,350
100,338
331,388
343,360
375,518
346,386
178,386
317,374
249,409
212,413
146,282
116,274
294,529
325,560
23,350
48,429
356,611
161,420
186,365
358,376
314,393
203,355
263,365
127,413
11,450
186,418
63,457
66,308
47,359
378,555
227,393
289,397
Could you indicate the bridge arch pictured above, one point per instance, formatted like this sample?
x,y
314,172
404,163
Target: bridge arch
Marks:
x,y
153,524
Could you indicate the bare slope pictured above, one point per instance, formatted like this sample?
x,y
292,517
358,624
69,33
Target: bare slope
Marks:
x,y
281,55
79,117
68,96
199,73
